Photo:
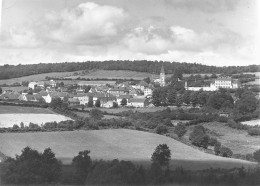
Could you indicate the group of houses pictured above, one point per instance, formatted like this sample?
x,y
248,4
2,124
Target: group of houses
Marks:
x,y
136,95
220,82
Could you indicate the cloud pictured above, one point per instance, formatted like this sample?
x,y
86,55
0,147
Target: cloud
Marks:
x,y
86,24
208,6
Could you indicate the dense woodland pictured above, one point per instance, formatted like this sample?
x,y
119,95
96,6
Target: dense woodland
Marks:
x,y
12,71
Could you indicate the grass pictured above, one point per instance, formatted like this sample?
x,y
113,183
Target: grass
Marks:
x,y
109,144
237,140
37,77
4,109
84,114
252,122
11,115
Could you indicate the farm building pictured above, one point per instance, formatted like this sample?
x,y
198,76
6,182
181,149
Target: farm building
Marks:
x,y
138,102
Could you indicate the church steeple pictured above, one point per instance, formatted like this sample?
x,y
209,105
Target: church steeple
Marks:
x,y
162,77
162,70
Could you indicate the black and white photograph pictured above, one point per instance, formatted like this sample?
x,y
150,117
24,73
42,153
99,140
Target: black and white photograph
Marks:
x,y
129,92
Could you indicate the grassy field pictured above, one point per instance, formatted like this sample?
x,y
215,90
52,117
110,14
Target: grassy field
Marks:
x,y
37,77
4,109
116,74
10,115
109,144
83,114
237,140
252,122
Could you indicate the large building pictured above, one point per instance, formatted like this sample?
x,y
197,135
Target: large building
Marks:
x,y
220,82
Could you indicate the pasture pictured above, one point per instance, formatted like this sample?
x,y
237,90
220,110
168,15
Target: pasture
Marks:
x,y
122,144
237,140
252,122
10,115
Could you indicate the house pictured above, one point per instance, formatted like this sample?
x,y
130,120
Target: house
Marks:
x,y
28,97
83,98
148,91
53,83
133,92
10,96
138,102
41,84
73,101
32,85
127,97
108,104
103,98
116,91
51,89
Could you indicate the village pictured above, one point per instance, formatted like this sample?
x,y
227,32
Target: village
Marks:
x,y
106,94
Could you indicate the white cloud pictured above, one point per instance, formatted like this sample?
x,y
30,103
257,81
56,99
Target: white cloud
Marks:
x,y
87,24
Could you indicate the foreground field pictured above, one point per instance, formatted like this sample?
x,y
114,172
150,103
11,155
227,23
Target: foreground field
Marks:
x,y
123,144
10,115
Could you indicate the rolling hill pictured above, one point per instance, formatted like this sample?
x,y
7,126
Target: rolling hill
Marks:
x,y
122,144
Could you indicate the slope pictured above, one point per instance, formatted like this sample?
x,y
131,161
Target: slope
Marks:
x,y
123,144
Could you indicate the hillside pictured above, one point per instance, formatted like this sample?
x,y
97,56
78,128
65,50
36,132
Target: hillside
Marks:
x,y
124,144
11,71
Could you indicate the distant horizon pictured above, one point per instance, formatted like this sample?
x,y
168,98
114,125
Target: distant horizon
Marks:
x,y
2,65
214,33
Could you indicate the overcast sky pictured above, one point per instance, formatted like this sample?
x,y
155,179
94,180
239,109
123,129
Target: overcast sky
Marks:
x,y
212,32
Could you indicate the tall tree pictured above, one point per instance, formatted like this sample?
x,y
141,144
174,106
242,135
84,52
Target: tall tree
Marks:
x,y
161,155
123,102
97,104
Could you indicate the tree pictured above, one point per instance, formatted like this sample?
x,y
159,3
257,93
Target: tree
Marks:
x,y
31,167
82,163
225,152
15,126
147,80
161,129
97,104
202,98
115,105
123,102
1,90
161,155
199,137
194,98
217,147
256,155
90,103
171,96
180,129
247,103
56,102
96,114
186,97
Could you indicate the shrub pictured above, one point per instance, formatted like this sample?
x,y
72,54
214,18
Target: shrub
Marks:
x,y
254,131
212,141
180,129
201,141
256,155
217,147
225,152
161,129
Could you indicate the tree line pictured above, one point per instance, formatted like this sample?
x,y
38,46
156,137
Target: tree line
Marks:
x,y
33,167
15,71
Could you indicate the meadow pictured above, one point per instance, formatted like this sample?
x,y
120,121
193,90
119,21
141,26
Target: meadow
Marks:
x,y
10,115
237,140
122,144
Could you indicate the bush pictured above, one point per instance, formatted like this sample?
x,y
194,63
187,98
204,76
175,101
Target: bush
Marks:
x,y
254,131
161,129
225,152
180,129
31,167
217,147
212,141
256,155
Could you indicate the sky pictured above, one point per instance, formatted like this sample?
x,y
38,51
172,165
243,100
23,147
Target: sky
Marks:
x,y
211,32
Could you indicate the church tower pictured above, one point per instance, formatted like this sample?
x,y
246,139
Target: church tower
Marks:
x,y
162,77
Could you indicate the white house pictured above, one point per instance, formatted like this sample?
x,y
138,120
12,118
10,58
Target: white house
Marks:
x,y
83,98
138,102
148,91
32,85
